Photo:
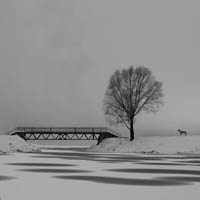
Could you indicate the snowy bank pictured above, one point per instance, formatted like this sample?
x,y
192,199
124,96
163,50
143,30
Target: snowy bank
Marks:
x,y
15,144
151,145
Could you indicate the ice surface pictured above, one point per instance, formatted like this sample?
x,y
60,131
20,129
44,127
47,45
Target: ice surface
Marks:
x,y
71,173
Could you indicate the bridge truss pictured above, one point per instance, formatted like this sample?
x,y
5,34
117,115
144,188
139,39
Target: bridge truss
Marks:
x,y
61,136
64,133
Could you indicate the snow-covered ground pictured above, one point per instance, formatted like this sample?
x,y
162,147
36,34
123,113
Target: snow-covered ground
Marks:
x,y
67,172
72,173
15,144
151,145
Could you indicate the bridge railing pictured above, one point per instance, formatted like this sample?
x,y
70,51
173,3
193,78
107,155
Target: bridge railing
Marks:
x,y
67,129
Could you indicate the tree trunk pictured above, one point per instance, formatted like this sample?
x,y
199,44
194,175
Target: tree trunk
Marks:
x,y
132,134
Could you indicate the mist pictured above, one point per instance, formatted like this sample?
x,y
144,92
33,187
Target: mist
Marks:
x,y
56,58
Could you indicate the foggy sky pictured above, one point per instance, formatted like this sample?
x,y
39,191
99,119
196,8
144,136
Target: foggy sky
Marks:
x,y
56,58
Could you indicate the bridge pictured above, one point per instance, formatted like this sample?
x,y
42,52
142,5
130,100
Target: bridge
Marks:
x,y
64,133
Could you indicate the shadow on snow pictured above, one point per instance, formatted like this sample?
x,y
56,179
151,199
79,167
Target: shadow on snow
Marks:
x,y
156,171
124,181
41,164
6,178
42,170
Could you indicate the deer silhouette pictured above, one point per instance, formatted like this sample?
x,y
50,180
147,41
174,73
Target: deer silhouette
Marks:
x,y
182,132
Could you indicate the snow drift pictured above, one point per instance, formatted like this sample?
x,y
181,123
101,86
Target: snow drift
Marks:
x,y
15,144
151,145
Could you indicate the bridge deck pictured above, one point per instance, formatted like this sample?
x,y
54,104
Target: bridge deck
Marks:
x,y
64,133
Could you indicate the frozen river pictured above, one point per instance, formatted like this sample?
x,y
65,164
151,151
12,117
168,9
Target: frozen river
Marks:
x,y
66,172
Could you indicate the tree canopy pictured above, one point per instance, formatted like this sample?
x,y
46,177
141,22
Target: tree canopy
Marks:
x,y
129,92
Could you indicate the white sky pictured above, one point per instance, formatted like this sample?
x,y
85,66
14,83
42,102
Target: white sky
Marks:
x,y
56,58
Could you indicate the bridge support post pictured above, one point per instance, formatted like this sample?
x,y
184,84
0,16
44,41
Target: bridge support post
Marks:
x,y
100,138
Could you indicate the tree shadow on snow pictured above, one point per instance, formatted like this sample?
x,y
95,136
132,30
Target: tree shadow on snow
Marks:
x,y
41,164
190,161
161,163
156,171
181,178
6,178
42,170
124,181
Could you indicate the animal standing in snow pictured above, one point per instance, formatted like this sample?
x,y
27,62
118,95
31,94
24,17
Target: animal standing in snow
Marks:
x,y
182,132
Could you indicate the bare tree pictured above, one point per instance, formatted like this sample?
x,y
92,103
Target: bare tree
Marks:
x,y
131,91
